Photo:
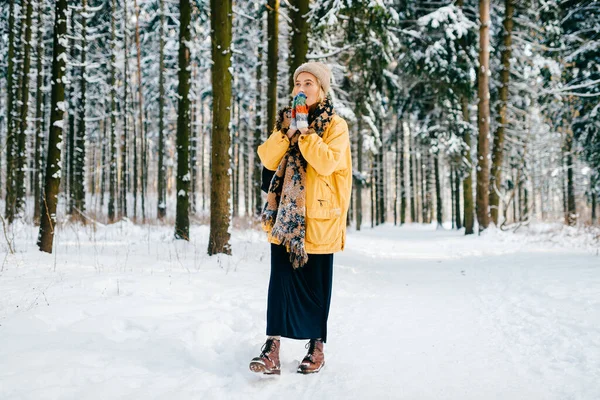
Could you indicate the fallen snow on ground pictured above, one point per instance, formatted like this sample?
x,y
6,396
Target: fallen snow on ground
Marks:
x,y
126,312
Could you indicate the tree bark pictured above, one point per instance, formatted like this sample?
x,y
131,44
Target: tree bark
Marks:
x,y
125,132
456,190
21,159
469,212
10,137
402,177
39,117
438,192
272,59
113,118
52,176
140,106
571,214
359,167
412,177
182,218
79,175
220,213
298,36
258,129
483,117
497,154
161,209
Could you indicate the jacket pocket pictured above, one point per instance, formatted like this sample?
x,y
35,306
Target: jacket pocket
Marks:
x,y
323,224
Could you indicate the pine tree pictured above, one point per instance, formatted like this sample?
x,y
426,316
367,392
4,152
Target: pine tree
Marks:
x,y
113,117
272,59
298,36
220,212
483,117
57,104
182,218
162,176
79,161
502,119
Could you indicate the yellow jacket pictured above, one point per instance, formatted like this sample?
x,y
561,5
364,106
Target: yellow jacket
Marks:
x,y
328,182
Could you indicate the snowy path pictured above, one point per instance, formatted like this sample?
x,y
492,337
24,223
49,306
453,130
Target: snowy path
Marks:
x,y
127,313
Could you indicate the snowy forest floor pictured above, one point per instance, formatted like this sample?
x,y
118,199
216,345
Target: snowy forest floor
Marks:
x,y
126,312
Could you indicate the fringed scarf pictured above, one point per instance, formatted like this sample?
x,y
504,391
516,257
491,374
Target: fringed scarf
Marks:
x,y
284,213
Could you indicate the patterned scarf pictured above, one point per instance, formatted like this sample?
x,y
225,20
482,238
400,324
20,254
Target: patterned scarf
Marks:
x,y
284,213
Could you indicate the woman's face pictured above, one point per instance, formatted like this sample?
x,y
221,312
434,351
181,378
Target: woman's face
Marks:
x,y
307,83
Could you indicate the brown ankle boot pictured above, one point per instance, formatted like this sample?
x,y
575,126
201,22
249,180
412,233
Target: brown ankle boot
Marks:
x,y
314,359
268,361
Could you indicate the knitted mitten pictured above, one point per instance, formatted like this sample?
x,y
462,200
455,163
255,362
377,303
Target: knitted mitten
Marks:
x,y
299,112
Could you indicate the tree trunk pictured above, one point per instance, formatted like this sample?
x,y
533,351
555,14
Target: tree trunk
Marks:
x,y
125,133
412,173
359,167
69,182
220,214
594,197
397,170
402,177
105,140
497,154
571,214
79,175
161,209
373,191
202,153
182,219
144,165
258,129
21,156
438,192
236,165
113,117
196,123
245,152
483,117
452,199
52,176
39,117
298,36
272,59
140,104
469,212
456,191
9,210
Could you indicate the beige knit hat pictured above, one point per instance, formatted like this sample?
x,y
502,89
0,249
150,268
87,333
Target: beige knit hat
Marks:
x,y
320,70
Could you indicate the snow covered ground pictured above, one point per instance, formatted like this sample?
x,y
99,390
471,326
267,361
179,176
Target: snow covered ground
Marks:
x,y
126,312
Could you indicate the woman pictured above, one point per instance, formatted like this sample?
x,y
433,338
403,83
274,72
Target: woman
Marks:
x,y
305,217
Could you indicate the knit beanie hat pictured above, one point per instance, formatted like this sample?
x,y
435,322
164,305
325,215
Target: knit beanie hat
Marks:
x,y
320,70
299,112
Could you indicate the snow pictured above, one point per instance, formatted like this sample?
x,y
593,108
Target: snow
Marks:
x,y
126,311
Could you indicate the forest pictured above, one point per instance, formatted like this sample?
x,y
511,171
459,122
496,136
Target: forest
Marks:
x,y
477,114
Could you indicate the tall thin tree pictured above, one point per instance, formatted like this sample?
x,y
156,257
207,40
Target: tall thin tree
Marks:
x,y
298,35
502,118
220,211
272,60
53,169
483,117
161,208
182,218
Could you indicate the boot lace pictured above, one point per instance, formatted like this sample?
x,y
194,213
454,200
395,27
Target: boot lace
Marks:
x,y
311,346
266,348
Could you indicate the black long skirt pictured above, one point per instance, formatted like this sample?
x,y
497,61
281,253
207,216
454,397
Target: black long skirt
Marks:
x,y
298,300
